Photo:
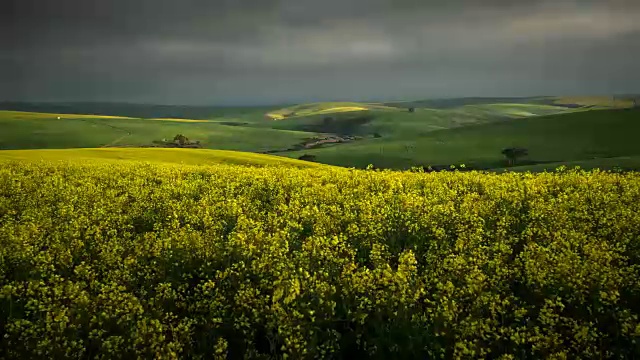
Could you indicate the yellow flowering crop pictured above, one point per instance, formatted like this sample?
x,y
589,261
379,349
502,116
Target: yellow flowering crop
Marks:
x,y
135,260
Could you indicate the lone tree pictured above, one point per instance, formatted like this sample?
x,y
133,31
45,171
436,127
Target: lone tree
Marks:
x,y
181,139
512,154
411,109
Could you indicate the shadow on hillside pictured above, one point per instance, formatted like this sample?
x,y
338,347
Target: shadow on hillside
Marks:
x,y
339,124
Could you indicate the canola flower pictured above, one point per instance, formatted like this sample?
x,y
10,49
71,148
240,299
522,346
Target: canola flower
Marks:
x,y
137,260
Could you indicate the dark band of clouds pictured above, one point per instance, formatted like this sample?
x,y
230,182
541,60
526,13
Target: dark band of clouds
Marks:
x,y
262,51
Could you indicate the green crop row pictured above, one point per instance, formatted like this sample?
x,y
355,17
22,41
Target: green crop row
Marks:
x,y
133,260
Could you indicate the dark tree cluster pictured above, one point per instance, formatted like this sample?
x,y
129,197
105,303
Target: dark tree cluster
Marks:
x,y
181,139
514,153
307,157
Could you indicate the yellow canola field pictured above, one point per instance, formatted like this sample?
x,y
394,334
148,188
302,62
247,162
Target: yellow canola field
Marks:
x,y
136,260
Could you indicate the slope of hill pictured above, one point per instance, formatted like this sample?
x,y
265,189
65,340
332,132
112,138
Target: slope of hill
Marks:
x,y
595,101
156,155
513,110
142,110
621,101
322,108
387,136
42,131
568,137
402,123
458,102
24,115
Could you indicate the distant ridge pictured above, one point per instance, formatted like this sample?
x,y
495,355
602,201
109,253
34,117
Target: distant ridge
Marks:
x,y
126,109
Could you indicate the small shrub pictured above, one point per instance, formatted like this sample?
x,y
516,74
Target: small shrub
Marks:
x,y
307,157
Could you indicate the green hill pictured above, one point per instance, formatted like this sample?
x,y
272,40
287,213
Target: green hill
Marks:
x,y
584,135
473,132
21,130
400,123
458,102
156,155
247,113
620,102
23,115
322,108
623,101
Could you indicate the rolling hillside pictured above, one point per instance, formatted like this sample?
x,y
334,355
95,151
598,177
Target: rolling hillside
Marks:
x,y
473,132
246,113
401,123
23,115
157,155
322,108
42,131
556,138
618,101
458,102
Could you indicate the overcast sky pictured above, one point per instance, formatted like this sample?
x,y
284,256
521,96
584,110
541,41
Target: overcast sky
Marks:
x,y
282,51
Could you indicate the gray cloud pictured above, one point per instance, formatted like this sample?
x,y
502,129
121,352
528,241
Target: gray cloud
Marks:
x,y
260,51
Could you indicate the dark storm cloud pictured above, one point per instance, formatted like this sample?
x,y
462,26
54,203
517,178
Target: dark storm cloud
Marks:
x,y
236,51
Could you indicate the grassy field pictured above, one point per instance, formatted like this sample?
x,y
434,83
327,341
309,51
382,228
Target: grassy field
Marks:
x,y
459,102
437,132
514,110
400,123
41,131
246,113
22,115
156,155
595,101
624,101
556,138
322,108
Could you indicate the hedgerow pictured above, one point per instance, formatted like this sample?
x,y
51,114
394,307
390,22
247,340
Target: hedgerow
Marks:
x,y
146,261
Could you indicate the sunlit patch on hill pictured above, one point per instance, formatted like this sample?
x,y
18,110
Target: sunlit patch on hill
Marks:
x,y
155,155
324,108
181,120
515,110
21,115
595,101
